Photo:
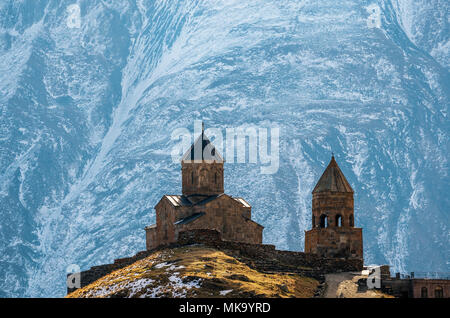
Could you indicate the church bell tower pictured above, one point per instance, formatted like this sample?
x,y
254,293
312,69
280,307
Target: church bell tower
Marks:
x,y
333,232
202,169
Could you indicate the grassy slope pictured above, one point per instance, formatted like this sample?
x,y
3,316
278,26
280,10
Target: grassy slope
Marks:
x,y
196,271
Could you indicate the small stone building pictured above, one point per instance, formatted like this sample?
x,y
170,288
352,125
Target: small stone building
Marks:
x,y
430,288
333,232
413,287
203,203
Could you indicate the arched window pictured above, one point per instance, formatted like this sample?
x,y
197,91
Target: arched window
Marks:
x,y
314,221
215,178
192,177
338,220
424,292
350,220
438,292
323,221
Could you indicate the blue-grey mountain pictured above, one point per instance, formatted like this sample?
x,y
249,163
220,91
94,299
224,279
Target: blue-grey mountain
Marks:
x,y
88,106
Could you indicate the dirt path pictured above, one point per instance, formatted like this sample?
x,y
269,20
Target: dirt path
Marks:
x,y
345,285
333,280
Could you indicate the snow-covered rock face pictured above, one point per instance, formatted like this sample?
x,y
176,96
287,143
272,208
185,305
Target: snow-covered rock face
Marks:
x,y
87,109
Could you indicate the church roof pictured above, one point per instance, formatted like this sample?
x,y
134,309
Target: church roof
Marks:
x,y
243,202
202,149
178,200
190,218
182,200
333,180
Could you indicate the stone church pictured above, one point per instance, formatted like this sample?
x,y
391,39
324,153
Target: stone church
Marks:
x,y
203,203
333,232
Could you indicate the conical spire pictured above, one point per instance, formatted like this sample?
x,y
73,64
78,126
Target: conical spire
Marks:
x,y
333,180
202,149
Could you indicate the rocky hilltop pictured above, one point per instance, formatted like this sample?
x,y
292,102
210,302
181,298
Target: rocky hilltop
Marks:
x,y
196,271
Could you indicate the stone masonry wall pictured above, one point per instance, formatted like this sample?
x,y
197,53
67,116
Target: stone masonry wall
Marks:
x,y
335,242
285,260
202,178
225,215
151,239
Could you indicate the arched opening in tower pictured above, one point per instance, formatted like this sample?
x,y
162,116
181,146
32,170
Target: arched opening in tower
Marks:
x,y
338,220
323,221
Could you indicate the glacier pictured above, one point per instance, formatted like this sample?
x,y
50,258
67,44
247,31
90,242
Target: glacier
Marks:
x,y
87,111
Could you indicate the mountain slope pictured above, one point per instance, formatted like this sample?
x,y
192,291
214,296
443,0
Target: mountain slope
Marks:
x,y
86,117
